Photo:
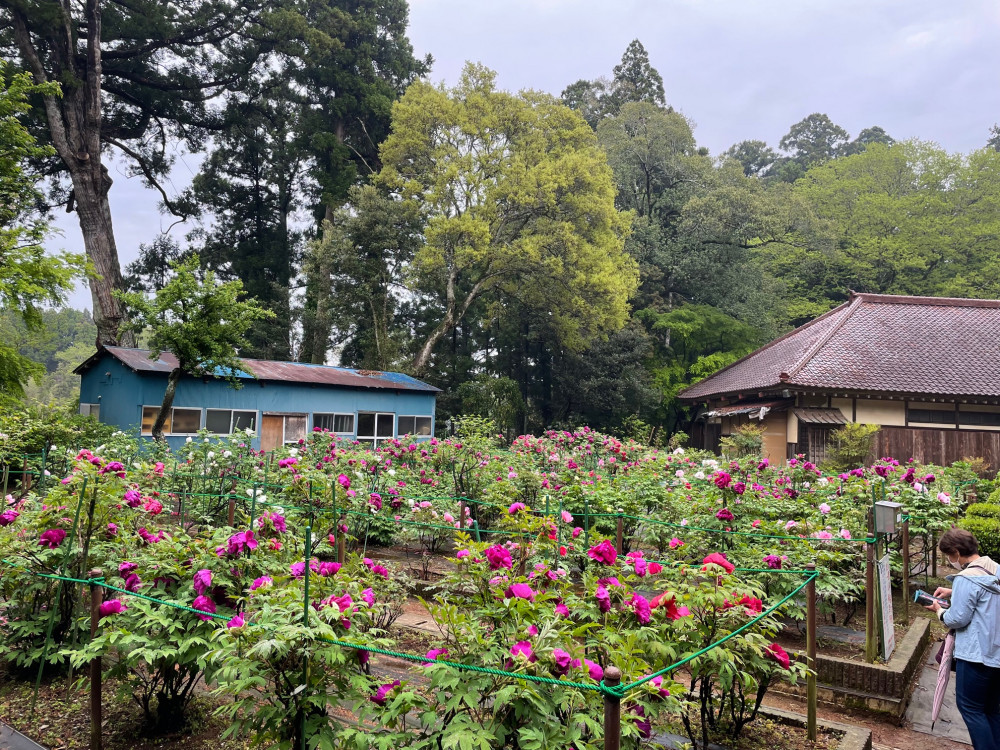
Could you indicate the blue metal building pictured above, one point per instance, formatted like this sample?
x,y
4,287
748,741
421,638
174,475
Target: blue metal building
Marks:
x,y
286,400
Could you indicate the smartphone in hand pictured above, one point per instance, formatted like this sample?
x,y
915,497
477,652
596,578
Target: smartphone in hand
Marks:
x,y
924,599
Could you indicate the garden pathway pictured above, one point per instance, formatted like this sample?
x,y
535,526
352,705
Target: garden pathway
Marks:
x,y
918,715
14,740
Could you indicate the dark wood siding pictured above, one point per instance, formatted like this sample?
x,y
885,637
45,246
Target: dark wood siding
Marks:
x,y
936,446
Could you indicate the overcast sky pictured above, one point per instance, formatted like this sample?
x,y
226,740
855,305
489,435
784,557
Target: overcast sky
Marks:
x,y
739,69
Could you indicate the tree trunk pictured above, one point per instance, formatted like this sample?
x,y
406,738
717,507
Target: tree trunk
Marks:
x,y
168,402
75,129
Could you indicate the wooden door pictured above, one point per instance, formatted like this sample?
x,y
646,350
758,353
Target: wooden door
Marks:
x,y
272,432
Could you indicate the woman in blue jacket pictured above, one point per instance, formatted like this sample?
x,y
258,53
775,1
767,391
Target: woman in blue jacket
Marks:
x,y
974,615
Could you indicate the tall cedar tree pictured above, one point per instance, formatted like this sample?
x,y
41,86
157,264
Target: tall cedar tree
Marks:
x,y
136,78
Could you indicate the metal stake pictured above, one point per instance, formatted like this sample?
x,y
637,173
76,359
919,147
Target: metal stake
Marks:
x,y
811,652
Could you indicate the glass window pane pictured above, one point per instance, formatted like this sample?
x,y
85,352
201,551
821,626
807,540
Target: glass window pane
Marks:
x,y
323,422
149,416
218,421
423,426
295,429
972,418
343,423
245,420
366,425
385,425
405,425
186,421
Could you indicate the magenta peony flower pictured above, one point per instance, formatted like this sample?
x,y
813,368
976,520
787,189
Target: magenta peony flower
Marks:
x,y
603,598
202,581
515,507
603,552
523,648
265,581
379,698
724,514
368,597
721,479
461,554
127,567
640,605
133,498
204,604
595,671
112,607
499,557
562,661
344,481
519,591
132,583
434,653
51,538
773,562
562,609
739,488
9,516
236,623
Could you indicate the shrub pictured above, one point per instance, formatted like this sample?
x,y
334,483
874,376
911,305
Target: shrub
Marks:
x,y
987,531
746,440
851,445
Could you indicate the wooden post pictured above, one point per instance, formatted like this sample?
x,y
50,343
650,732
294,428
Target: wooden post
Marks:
x,y
96,597
906,572
232,509
811,652
620,533
612,711
25,476
934,555
871,640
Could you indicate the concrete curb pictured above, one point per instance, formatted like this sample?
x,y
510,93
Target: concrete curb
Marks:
x,y
854,738
11,739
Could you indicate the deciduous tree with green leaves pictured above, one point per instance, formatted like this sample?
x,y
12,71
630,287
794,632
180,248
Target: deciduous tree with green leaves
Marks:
x,y
29,279
517,194
204,324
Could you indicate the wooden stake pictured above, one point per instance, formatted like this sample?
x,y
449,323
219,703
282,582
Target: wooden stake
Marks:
x,y
612,711
620,534
871,641
232,510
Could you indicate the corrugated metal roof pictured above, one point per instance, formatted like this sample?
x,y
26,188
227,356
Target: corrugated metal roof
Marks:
x,y
281,372
876,343
816,415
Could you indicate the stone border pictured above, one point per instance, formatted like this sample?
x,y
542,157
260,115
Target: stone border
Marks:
x,y
885,688
852,737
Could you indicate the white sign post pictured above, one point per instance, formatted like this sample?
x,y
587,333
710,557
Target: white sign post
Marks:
x,y
885,602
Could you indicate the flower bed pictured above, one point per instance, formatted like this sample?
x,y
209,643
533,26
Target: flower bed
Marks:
x,y
566,555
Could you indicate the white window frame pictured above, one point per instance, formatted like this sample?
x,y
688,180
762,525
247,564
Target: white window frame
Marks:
x,y
375,439
285,440
352,415
201,420
415,417
232,416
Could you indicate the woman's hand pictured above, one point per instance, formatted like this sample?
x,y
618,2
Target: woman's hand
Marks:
x,y
942,593
935,607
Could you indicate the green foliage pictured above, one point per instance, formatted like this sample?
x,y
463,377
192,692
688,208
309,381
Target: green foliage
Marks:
x,y
34,429
850,445
986,529
747,440
496,399
518,201
29,277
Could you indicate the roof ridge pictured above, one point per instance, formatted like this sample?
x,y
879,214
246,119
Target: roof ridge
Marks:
x,y
812,351
907,299
766,346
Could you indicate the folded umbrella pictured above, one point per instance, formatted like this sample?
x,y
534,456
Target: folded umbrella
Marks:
x,y
944,674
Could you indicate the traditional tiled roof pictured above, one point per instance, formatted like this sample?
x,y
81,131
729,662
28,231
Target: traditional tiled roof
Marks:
x,y
876,343
269,370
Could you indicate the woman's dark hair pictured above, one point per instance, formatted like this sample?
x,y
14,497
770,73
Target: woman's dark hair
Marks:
x,y
960,541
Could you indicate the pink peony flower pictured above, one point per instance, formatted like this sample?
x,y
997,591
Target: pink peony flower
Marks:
x,y
718,558
773,562
603,598
523,649
824,508
724,514
655,568
778,654
265,582
368,597
562,661
9,516
236,623
567,517
604,552
640,605
515,507
594,669
434,653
